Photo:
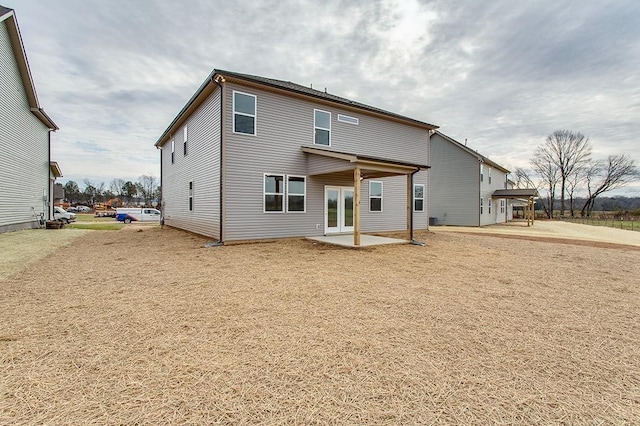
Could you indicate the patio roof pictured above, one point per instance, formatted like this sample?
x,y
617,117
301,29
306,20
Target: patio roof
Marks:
x,y
370,167
515,193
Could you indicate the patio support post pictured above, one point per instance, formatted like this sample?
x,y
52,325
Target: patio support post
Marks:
x,y
409,206
356,206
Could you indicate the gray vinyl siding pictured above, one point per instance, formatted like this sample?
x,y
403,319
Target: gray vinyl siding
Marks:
x,y
486,189
201,165
24,148
283,125
454,184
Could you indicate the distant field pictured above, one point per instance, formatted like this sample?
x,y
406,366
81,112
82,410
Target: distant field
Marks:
x,y
632,225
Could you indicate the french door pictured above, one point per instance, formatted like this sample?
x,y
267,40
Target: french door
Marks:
x,y
338,209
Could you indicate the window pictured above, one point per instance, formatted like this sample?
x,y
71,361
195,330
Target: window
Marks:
x,y
322,126
418,198
481,205
184,142
347,119
296,191
489,205
501,206
481,173
489,177
375,196
190,196
244,113
273,193
173,151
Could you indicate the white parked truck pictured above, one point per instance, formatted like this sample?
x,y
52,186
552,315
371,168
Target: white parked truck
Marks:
x,y
128,215
61,214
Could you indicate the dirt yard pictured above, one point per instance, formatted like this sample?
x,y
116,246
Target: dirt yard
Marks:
x,y
146,326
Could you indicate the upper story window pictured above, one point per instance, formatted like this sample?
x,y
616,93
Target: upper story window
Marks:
x,y
244,113
489,177
481,173
173,151
375,196
322,126
273,193
418,198
184,140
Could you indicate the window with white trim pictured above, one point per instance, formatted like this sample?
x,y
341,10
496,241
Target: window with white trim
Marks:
x,y
481,173
418,197
490,177
244,113
173,152
190,195
481,205
322,127
375,196
184,140
273,193
296,193
347,119
489,205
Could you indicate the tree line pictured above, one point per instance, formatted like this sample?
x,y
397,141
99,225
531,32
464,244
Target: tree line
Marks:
x,y
563,166
145,190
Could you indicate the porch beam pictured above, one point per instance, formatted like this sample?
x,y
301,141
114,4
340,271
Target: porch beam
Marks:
x,y
356,206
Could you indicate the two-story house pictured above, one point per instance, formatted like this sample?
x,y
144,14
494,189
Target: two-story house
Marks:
x,y
465,187
256,158
26,172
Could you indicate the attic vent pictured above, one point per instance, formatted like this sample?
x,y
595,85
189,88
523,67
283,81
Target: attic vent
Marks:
x,y
347,119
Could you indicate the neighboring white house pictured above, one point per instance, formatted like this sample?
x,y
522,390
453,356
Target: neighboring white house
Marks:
x,y
465,187
250,158
27,173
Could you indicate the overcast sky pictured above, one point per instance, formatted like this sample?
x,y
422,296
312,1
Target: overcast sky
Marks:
x,y
501,74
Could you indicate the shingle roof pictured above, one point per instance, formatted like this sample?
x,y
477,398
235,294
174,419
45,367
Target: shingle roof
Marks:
x,y
4,10
293,87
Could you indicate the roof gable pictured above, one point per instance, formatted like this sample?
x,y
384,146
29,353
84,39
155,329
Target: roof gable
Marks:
x,y
8,17
470,151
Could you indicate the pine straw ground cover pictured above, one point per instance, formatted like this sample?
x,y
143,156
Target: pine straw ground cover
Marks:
x,y
150,327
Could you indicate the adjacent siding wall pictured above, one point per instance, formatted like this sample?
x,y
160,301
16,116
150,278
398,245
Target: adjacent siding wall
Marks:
x,y
283,125
454,184
201,165
486,189
24,148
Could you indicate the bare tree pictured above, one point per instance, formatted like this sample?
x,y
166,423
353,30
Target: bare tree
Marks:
x,y
573,181
604,176
567,151
523,179
550,174
147,185
116,185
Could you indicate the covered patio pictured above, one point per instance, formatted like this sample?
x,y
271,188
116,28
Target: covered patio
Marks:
x,y
356,167
524,195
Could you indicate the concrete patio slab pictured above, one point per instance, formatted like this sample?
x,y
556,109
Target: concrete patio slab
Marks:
x,y
346,240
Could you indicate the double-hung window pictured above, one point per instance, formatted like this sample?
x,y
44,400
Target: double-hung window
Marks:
x,y
190,195
244,113
418,198
322,127
184,140
173,152
489,205
273,193
481,205
481,173
296,193
375,196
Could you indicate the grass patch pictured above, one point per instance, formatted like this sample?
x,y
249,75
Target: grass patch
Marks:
x,y
97,226
89,217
